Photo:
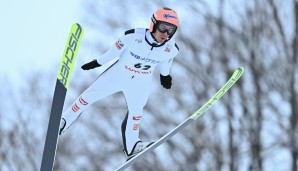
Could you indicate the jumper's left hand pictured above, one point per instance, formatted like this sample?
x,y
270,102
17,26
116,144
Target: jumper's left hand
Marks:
x,y
166,81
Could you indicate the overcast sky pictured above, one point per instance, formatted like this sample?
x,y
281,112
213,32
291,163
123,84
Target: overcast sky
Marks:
x,y
33,33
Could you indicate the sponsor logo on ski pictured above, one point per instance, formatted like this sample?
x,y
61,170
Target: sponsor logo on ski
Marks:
x,y
69,55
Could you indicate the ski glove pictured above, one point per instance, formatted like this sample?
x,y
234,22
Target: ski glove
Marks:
x,y
91,65
166,81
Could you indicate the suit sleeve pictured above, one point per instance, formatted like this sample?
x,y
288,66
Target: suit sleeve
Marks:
x,y
115,50
165,66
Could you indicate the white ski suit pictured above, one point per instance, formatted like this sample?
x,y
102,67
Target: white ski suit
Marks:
x,y
138,54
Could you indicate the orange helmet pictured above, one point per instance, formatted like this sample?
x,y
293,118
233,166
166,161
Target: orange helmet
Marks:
x,y
166,15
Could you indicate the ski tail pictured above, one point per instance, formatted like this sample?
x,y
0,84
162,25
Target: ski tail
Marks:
x,y
236,75
62,83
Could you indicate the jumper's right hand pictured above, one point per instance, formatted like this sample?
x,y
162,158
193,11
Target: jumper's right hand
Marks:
x,y
91,65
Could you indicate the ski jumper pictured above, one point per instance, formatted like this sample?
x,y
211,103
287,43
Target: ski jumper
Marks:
x,y
138,54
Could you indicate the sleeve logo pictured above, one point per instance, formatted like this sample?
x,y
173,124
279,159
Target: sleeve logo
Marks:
x,y
119,44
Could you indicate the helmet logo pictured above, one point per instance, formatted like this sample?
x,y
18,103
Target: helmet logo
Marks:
x,y
167,16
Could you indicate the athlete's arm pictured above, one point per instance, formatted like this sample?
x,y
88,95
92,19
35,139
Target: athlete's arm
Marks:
x,y
117,49
164,67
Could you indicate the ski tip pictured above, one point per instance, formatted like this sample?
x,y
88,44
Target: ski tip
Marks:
x,y
77,24
70,52
241,68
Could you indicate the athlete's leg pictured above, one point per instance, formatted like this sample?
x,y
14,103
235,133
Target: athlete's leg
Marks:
x,y
104,86
136,99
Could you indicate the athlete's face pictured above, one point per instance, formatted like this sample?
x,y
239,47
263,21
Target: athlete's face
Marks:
x,y
163,31
160,37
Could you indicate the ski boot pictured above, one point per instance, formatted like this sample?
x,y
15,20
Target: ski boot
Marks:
x,y
62,125
138,147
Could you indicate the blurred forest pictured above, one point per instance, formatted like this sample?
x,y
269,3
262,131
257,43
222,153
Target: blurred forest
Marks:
x,y
252,128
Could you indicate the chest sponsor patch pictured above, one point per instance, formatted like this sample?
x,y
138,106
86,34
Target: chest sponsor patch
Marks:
x,y
168,48
137,71
144,59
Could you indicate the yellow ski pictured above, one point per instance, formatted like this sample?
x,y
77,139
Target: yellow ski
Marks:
x,y
63,79
236,75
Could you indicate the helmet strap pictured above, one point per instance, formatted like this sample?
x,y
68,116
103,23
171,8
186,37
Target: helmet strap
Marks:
x,y
153,19
152,35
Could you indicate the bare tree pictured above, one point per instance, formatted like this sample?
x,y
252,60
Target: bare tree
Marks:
x,y
245,130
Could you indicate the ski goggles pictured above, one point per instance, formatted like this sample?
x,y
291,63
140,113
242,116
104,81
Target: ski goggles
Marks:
x,y
166,27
